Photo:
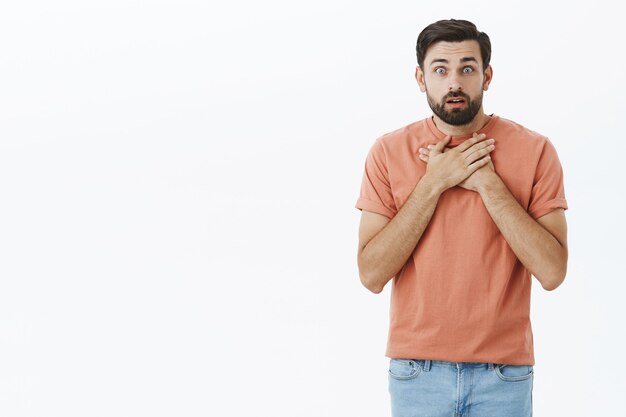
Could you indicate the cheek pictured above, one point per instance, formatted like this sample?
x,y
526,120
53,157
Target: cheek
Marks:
x,y
434,88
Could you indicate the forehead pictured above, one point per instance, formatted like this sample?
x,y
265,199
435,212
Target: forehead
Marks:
x,y
453,52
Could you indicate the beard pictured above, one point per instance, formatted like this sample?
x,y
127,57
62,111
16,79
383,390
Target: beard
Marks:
x,y
456,117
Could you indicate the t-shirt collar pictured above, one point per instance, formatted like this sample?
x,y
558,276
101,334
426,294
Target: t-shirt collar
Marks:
x,y
457,140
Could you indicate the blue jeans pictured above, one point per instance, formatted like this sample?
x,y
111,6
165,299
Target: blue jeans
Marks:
x,y
425,388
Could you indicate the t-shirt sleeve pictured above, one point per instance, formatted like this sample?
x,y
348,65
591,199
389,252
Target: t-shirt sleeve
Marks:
x,y
548,192
376,195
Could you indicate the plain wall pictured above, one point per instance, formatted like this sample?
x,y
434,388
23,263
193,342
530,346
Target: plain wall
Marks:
x,y
177,186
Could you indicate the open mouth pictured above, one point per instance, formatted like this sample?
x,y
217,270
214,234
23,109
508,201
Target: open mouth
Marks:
x,y
456,100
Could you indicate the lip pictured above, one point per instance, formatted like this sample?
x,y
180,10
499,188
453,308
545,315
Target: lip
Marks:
x,y
456,105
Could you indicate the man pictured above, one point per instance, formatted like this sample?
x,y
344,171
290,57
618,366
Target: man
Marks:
x,y
460,209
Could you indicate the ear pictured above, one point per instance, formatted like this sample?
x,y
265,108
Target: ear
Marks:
x,y
488,75
419,77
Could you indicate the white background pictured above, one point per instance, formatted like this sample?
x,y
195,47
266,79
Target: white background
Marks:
x,y
177,186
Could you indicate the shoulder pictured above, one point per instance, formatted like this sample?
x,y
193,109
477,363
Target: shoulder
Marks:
x,y
520,140
406,136
528,145
519,131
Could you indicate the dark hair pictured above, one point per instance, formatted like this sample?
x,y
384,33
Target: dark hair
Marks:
x,y
452,30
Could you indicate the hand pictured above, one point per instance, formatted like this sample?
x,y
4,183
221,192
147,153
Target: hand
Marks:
x,y
480,176
448,167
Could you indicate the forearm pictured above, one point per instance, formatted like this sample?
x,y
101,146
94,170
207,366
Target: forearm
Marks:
x,y
387,252
538,250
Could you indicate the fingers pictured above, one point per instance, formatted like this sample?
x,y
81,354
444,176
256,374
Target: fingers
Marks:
x,y
479,150
472,149
476,147
438,148
471,142
479,163
424,153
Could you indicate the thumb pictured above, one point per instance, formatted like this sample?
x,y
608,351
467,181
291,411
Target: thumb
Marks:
x,y
438,148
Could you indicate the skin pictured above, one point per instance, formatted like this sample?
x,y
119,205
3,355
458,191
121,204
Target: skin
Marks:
x,y
386,244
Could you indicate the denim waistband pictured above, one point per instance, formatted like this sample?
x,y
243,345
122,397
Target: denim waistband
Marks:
x,y
428,363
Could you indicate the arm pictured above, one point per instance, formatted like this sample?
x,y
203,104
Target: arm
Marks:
x,y
541,245
385,245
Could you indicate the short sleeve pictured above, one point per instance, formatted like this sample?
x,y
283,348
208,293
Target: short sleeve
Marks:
x,y
376,194
548,191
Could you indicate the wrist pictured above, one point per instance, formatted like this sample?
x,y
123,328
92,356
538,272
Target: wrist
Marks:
x,y
431,186
490,182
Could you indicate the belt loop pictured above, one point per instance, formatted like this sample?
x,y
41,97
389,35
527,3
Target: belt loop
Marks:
x,y
427,365
490,367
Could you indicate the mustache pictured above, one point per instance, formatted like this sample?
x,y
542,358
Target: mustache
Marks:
x,y
455,94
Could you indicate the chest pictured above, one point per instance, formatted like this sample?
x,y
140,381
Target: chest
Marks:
x,y
514,165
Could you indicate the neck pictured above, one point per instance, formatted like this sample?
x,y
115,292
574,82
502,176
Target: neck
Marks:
x,y
475,125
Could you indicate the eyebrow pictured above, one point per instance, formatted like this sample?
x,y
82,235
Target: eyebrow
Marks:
x,y
464,59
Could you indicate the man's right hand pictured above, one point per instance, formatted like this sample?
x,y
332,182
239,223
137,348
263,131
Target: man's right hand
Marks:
x,y
448,168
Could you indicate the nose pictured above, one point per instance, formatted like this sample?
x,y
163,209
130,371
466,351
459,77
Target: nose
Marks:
x,y
455,84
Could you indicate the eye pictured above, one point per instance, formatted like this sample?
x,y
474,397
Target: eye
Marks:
x,y
468,70
440,70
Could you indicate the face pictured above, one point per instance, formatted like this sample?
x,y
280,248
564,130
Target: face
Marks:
x,y
454,80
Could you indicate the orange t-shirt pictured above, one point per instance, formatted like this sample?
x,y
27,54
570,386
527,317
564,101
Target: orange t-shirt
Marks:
x,y
462,296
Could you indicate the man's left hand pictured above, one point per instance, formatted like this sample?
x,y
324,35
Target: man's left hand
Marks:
x,y
476,180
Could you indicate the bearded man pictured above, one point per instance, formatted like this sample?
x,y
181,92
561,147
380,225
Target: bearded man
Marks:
x,y
459,210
